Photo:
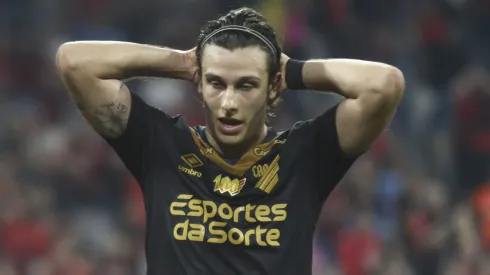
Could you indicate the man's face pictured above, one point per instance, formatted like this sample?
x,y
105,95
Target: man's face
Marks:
x,y
235,89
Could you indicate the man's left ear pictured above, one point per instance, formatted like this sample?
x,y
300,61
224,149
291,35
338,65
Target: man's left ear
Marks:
x,y
275,87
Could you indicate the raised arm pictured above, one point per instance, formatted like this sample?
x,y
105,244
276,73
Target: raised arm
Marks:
x,y
93,72
372,90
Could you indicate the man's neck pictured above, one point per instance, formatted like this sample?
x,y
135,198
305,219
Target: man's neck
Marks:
x,y
237,150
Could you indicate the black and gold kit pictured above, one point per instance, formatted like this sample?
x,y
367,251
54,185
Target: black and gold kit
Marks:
x,y
211,215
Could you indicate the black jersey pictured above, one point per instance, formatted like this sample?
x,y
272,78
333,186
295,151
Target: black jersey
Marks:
x,y
208,215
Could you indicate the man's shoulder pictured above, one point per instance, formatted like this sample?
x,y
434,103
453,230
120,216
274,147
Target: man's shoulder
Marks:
x,y
143,111
316,129
298,132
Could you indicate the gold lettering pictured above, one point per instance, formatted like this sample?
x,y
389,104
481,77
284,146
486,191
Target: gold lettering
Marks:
x,y
181,236
218,232
207,151
280,211
272,237
235,231
175,204
254,171
236,215
208,213
262,212
260,152
218,229
225,208
196,208
249,209
259,170
190,171
197,232
247,236
259,232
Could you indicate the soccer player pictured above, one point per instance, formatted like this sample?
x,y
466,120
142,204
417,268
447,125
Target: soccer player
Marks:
x,y
233,197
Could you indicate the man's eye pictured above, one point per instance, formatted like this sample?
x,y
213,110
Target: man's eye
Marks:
x,y
246,87
216,85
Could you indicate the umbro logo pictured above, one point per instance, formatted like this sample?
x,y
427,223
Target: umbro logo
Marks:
x,y
193,162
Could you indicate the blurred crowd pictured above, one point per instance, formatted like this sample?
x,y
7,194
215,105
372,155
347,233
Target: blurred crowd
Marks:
x,y
417,203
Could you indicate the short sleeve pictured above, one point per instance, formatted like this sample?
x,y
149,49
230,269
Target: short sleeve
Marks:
x,y
330,160
135,145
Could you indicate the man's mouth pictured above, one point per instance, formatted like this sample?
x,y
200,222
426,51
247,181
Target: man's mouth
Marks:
x,y
230,126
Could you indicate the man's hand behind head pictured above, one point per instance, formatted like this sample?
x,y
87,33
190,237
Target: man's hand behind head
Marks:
x,y
190,62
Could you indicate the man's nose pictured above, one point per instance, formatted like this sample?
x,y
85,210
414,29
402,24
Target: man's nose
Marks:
x,y
229,102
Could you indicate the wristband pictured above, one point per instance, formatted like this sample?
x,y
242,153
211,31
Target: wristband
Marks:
x,y
294,74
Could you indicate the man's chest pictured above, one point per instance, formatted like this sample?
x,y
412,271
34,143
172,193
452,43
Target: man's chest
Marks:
x,y
200,201
198,195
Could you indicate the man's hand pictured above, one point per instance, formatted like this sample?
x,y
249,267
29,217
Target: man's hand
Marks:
x,y
284,60
190,62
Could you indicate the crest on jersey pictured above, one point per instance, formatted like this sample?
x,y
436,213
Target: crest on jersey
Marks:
x,y
227,185
268,175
